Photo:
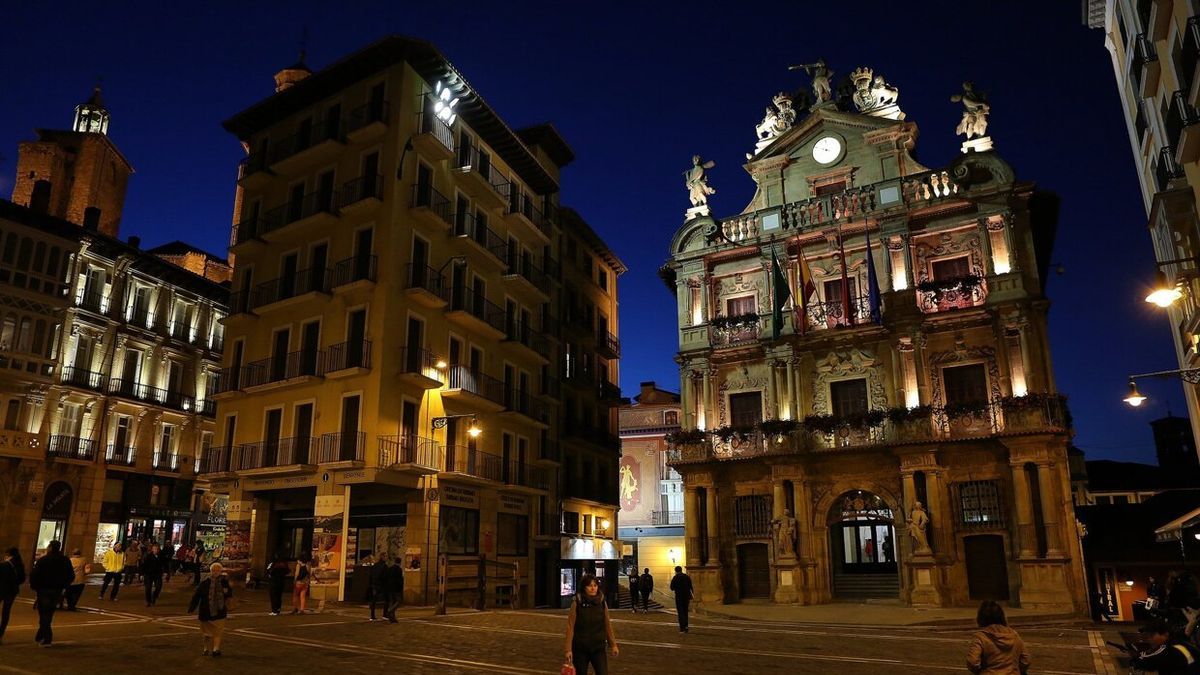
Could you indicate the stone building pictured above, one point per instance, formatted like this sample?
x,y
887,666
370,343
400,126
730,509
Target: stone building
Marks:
x,y
410,363
117,348
650,490
1155,48
870,334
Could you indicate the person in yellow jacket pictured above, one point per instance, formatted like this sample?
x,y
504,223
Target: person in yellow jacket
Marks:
x,y
114,567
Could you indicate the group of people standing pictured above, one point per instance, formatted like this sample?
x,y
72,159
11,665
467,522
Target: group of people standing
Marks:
x,y
53,576
385,587
122,565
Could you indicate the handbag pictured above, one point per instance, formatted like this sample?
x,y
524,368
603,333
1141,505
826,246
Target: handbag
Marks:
x,y
567,669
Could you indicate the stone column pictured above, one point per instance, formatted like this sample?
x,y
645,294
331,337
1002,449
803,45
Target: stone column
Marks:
x,y
1026,537
908,262
691,526
939,513
714,550
793,408
773,389
710,421
685,399
985,242
1033,377
1051,509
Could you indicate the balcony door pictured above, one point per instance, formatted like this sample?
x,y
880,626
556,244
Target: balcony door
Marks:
x,y
325,187
348,445
121,440
409,431
295,204
416,342
310,341
302,438
364,239
272,428
356,337
318,262
279,355
288,267
131,372
174,380
370,175
422,277
424,185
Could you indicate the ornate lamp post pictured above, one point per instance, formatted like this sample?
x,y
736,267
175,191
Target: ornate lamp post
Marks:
x,y
1135,398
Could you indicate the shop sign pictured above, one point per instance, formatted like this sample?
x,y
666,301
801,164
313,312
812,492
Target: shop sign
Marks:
x,y
454,495
214,508
158,513
275,483
513,504
355,476
56,505
578,548
328,542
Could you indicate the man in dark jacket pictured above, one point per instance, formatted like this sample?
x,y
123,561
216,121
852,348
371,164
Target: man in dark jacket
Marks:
x,y
51,574
277,574
168,559
645,588
1163,653
395,590
681,586
12,575
153,567
377,585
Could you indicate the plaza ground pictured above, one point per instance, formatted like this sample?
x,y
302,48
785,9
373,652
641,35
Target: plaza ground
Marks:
x,y
341,640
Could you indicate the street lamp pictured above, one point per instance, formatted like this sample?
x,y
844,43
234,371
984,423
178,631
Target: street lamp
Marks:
x,y
1135,398
1163,294
473,431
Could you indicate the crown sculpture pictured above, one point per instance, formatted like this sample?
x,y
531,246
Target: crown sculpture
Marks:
x,y
779,118
874,96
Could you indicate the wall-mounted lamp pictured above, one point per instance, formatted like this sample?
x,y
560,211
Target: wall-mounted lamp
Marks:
x,y
473,431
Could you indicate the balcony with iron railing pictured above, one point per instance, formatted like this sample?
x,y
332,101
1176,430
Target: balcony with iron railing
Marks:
x,y
475,386
434,137
227,379
136,391
71,447
165,461
346,356
426,285
521,402
522,268
430,205
282,367
316,207
469,227
1183,128
1034,413
79,377
609,391
475,311
943,295
410,451
822,315
92,299
362,120
216,459
481,177
522,474
360,192
521,333
273,453
207,407
666,517
120,455
340,446
464,460
419,366
320,137
1144,67
734,331
1166,169
353,269
607,343
287,287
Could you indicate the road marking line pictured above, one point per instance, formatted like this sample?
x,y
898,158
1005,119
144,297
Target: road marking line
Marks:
x,y
11,669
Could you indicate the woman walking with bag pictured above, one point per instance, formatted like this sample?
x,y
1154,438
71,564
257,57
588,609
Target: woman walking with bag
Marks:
x,y
300,589
589,630
212,599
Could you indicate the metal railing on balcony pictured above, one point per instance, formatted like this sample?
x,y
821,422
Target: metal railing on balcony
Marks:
x,y
71,447
1143,53
609,391
341,446
419,361
426,196
1179,115
306,362
273,452
215,459
92,299
524,334
363,187
207,407
182,331
366,115
472,462
469,158
1166,169
427,278
120,455
321,130
228,379
550,450
469,226
429,123
608,342
465,299
666,517
282,288
356,268
515,472
476,382
734,331
524,266
79,377
527,206
940,295
165,461
410,449
833,313
344,355
520,401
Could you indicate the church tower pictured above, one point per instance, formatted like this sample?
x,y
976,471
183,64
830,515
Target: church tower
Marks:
x,y
77,175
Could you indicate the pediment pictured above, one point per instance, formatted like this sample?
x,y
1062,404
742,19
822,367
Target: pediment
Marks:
x,y
822,122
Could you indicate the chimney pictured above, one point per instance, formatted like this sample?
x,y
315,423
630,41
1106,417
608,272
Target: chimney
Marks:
x,y
135,241
647,389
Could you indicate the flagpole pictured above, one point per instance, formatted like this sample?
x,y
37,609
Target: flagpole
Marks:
x,y
845,278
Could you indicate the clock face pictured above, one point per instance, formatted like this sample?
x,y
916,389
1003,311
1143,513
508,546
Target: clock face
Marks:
x,y
826,150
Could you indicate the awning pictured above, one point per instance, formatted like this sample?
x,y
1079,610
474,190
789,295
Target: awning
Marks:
x,y
1173,531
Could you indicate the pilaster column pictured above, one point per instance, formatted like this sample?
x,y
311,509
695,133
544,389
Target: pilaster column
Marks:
x,y
1051,509
802,497
793,405
939,512
705,297
985,242
691,526
1026,537
710,421
714,541
685,399
773,388
908,261
1033,379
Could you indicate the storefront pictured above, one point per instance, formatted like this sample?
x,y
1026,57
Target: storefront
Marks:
x,y
158,525
579,556
56,511
210,518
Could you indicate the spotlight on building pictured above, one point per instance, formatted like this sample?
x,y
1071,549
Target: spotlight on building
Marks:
x,y
473,431
604,523
1129,583
1163,294
440,364
1135,397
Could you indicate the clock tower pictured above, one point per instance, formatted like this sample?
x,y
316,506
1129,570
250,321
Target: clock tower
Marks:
x,y
78,175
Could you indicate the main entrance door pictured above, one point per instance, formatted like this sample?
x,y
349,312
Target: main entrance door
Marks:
x,y
754,571
862,544
987,573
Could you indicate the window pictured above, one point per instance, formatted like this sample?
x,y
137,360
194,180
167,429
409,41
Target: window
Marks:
x,y
512,534
459,531
848,397
952,268
587,523
671,418
979,504
833,290
745,409
570,522
12,414
740,306
602,278
965,384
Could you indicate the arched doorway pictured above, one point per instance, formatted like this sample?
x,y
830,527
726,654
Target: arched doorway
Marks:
x,y
862,546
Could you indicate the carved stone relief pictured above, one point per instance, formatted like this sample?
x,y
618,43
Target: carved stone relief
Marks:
x,y
843,365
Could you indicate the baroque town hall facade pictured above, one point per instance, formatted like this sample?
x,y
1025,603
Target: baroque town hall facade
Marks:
x,y
895,354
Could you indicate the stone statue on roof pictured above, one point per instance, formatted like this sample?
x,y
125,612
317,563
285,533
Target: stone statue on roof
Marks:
x,y
820,75
778,119
975,111
696,181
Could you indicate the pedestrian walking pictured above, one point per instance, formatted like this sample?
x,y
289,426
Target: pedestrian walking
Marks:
x,y
277,574
681,586
153,567
114,569
197,561
79,565
395,589
996,649
645,588
133,561
212,600
300,588
50,576
633,590
168,558
589,630
377,585
12,575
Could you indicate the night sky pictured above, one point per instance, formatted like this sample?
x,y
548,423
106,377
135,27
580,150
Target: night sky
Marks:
x,y
636,89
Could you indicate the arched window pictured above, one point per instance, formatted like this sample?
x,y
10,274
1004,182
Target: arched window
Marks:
x,y
7,328
26,254
10,248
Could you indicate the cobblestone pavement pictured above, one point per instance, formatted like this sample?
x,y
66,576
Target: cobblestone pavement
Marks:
x,y
127,636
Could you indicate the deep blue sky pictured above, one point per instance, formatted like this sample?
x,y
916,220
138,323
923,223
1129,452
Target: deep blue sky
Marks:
x,y
636,89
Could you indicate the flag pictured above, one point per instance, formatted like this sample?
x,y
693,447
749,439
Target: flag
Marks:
x,y
782,292
872,285
845,281
806,288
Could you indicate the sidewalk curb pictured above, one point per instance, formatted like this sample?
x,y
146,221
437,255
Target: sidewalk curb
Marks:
x,y
941,623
